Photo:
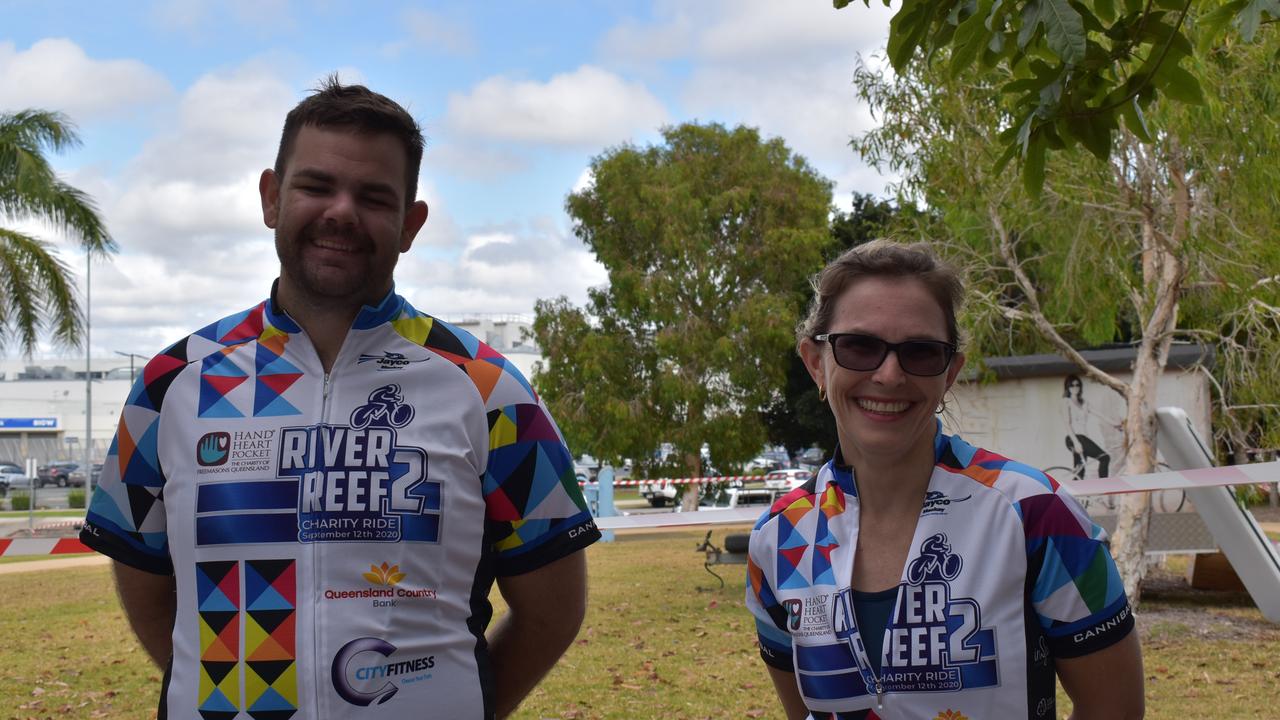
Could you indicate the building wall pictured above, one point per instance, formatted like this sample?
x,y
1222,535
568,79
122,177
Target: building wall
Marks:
x,y
1027,419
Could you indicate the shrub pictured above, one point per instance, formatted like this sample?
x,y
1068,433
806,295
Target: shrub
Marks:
x,y
75,498
20,501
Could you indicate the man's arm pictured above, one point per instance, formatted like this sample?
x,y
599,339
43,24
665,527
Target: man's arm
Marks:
x,y
150,605
546,607
1107,684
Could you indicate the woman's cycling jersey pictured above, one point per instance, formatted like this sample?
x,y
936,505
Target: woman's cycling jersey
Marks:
x,y
1005,573
334,538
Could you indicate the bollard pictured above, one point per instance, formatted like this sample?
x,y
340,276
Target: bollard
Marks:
x,y
604,498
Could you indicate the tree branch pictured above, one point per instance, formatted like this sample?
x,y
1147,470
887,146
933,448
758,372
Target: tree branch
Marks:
x,y
1036,315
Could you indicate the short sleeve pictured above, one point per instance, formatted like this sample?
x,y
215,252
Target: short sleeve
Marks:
x,y
1076,591
126,517
770,616
533,503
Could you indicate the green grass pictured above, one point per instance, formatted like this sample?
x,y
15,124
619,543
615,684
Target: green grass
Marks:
x,y
68,513
654,645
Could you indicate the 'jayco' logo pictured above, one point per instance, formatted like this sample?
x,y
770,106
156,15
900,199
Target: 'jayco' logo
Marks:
x,y
356,483
934,642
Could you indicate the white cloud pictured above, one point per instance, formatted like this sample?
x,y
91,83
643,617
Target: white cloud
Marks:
x,y
227,124
588,107
785,68
56,74
504,270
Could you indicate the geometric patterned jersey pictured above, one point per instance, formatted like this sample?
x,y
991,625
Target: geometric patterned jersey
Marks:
x,y
334,538
1005,574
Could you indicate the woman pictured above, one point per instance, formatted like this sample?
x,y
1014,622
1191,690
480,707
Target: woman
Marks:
x,y
1082,447
917,576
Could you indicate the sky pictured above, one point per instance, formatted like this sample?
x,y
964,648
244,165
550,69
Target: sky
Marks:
x,y
179,106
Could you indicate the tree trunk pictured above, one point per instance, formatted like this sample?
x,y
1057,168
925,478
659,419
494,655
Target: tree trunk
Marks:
x,y
692,468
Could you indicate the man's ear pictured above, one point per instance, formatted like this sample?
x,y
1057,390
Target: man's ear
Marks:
x,y
269,193
414,219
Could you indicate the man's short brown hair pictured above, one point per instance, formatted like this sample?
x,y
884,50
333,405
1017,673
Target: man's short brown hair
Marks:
x,y
359,109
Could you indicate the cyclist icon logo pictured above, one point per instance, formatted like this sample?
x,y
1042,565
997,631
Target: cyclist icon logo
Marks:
x,y
386,408
935,562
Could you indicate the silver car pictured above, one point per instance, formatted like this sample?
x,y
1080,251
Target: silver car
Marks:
x,y
11,475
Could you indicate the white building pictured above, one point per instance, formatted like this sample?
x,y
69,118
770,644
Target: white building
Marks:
x,y
43,409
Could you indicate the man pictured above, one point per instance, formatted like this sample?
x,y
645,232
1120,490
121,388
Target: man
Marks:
x,y
308,502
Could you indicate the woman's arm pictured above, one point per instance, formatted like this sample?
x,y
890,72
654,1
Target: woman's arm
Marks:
x,y
1107,684
788,694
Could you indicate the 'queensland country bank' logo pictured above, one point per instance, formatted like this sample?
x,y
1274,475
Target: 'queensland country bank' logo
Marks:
x,y
369,671
934,642
213,449
384,588
356,482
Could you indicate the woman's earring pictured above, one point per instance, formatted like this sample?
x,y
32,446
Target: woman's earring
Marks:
x,y
822,393
942,407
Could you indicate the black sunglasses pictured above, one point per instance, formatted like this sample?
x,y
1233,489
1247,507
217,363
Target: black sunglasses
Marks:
x,y
855,351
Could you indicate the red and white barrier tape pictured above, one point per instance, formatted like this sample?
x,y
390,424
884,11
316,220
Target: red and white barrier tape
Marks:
x,y
42,546
1177,479
697,480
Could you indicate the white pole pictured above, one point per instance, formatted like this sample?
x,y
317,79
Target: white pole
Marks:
x,y
88,380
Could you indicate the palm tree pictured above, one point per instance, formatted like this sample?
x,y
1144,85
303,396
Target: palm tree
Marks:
x,y
36,287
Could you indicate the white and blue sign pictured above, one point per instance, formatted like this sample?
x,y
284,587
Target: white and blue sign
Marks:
x,y
38,423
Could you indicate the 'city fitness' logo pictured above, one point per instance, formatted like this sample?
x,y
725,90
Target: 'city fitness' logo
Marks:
x,y
213,449
357,679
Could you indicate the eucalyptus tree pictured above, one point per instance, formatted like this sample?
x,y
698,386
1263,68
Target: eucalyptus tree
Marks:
x,y
1170,237
1073,72
37,289
706,238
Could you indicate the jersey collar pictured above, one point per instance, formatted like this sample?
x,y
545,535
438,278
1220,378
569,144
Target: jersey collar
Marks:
x,y
370,316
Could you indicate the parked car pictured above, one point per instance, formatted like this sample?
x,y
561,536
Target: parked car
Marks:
x,y
12,476
60,474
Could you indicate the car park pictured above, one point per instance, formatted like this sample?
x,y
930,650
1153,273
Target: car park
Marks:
x,y
60,474
12,477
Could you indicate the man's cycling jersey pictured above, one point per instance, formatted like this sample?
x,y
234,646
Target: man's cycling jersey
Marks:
x,y
1005,573
334,538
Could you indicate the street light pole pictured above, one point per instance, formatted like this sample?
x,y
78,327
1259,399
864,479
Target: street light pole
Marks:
x,y
88,379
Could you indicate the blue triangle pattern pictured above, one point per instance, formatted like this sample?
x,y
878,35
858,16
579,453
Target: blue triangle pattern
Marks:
x,y
217,601
204,585
545,480
270,599
221,366
221,408
266,403
532,529
104,506
140,472
826,577
149,446
276,365
138,396
254,585
217,702
270,700
228,324
795,581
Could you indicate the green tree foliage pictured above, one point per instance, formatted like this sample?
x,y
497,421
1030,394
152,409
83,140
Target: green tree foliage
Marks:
x,y
36,287
1073,70
706,238
1167,240
796,418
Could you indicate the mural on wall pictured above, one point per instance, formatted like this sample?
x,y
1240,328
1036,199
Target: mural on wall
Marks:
x,y
1089,431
